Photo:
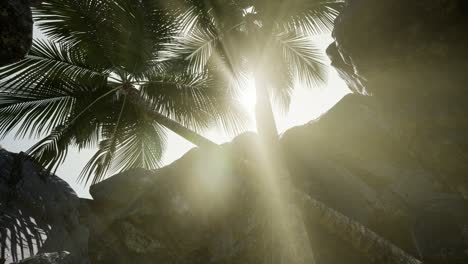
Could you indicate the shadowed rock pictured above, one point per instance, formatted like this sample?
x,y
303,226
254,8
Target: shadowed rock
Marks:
x,y
39,211
16,29
395,161
49,258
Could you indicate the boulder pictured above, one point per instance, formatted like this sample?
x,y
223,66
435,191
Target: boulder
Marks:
x,y
16,29
49,258
392,156
412,57
40,212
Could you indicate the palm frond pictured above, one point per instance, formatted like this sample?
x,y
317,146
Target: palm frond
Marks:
x,y
215,14
82,127
130,144
185,98
75,21
230,115
52,67
282,81
313,17
52,150
122,33
194,100
304,16
20,237
196,48
306,60
109,144
143,27
39,92
33,114
189,18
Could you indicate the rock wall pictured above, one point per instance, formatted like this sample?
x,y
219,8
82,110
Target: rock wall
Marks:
x,y
16,29
38,212
412,57
393,156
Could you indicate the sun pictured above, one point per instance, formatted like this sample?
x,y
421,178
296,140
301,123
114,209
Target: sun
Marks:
x,y
247,96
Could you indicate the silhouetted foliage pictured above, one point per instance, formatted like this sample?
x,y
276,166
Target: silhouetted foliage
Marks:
x,y
74,87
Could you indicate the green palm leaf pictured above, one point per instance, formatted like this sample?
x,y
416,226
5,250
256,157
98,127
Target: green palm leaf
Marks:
x,y
52,67
313,17
74,21
307,61
73,88
127,145
194,101
82,128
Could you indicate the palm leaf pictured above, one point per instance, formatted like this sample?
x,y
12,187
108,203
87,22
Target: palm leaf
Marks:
x,y
308,63
17,231
38,93
82,128
194,100
312,17
33,114
73,20
52,67
196,47
282,81
122,33
131,142
143,27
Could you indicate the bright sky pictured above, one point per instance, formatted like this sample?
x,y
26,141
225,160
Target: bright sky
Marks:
x,y
306,105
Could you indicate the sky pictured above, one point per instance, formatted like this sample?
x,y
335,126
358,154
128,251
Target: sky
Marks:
x,y
307,104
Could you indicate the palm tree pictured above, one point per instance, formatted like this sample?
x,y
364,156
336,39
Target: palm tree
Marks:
x,y
271,41
268,40
101,80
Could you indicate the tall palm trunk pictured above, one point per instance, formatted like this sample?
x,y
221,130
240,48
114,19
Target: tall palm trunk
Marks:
x,y
361,238
266,125
181,130
136,99
289,242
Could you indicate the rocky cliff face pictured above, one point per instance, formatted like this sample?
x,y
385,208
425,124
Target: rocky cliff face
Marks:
x,y
38,212
412,57
395,162
16,29
205,207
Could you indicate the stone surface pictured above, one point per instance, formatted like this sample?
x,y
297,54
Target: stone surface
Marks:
x,y
412,57
16,29
49,258
395,161
40,212
205,207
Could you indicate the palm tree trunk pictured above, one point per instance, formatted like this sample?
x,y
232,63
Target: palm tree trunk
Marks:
x,y
289,242
266,125
364,240
181,130
136,99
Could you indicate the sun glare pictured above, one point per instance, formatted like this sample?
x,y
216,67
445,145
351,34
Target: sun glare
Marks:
x,y
247,97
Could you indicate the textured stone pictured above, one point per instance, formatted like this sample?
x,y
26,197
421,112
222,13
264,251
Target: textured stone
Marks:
x,y
395,161
412,57
45,207
49,258
206,205
16,29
